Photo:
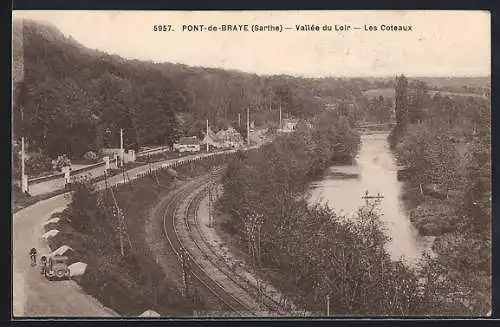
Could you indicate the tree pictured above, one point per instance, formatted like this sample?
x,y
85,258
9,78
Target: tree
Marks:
x,y
432,157
401,99
417,102
38,162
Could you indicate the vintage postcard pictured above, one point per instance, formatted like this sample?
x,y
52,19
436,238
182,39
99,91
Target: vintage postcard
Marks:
x,y
251,164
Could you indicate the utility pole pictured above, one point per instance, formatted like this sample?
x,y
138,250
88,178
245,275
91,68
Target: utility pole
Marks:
x,y
248,126
121,146
239,120
210,197
106,179
183,257
280,117
328,305
24,178
120,217
210,202
207,135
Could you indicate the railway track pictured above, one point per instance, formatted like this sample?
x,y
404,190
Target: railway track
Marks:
x,y
197,271
266,303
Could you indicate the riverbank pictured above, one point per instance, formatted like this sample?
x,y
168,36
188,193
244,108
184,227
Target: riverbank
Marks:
x,y
462,258
312,251
459,219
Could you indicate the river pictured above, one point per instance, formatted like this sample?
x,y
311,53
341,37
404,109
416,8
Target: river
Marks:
x,y
375,171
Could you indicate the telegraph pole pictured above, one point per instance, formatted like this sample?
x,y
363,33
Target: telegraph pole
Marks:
x,y
210,198
121,146
328,305
120,217
248,126
183,257
207,135
24,179
210,203
106,179
281,126
22,156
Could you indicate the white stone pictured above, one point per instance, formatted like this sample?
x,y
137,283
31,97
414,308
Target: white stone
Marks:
x,y
77,269
56,210
50,233
52,221
150,313
62,250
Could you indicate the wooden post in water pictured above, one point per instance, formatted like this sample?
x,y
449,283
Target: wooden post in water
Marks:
x,y
368,197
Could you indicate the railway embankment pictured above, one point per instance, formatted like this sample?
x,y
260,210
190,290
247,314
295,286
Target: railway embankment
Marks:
x,y
123,272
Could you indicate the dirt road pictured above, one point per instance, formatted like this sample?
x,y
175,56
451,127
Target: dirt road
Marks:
x,y
33,295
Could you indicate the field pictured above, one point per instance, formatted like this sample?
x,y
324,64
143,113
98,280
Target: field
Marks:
x,y
390,92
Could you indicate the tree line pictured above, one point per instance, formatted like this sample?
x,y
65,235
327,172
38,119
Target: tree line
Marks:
x,y
315,251
70,99
446,143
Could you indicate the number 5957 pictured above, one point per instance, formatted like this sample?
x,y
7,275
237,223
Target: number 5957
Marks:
x,y
162,28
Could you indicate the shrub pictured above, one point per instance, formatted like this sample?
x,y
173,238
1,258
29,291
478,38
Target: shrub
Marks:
x,y
38,162
60,162
90,156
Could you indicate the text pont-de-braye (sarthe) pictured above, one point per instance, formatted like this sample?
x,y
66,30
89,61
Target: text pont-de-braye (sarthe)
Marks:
x,y
282,28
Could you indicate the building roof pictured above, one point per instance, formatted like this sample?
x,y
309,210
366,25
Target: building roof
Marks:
x,y
211,137
192,140
229,135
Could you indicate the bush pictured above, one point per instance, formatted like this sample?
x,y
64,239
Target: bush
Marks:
x,y
60,162
90,156
38,162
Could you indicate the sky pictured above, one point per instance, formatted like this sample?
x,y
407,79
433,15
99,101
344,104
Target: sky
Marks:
x,y
441,43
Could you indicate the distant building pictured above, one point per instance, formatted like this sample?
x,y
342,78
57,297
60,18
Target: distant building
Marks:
x,y
230,138
211,139
288,125
188,144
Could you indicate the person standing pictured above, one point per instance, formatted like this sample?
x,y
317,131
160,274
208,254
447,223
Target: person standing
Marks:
x,y
43,261
33,253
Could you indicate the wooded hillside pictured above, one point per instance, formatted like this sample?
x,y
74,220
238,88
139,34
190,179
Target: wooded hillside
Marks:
x,y
74,99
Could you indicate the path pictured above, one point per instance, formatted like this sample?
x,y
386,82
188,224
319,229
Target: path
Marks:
x,y
33,295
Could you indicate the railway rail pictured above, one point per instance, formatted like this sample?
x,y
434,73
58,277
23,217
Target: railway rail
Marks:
x,y
265,303
198,272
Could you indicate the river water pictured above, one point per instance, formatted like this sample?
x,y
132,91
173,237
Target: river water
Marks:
x,y
375,171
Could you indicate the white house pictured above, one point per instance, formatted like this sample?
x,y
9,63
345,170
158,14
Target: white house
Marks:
x,y
188,144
